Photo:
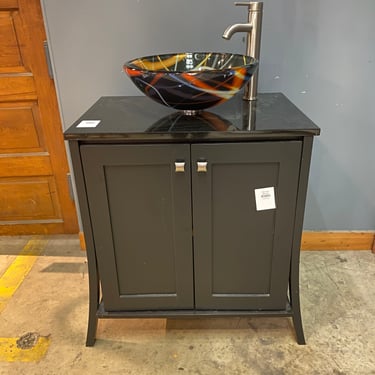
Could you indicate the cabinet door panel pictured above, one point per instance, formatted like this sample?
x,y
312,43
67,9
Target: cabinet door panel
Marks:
x,y
241,255
141,216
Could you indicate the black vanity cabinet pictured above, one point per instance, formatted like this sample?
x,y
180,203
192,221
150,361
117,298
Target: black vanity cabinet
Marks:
x,y
171,220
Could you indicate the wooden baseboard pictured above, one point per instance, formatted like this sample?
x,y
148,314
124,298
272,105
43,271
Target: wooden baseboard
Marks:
x,y
82,241
339,240
321,240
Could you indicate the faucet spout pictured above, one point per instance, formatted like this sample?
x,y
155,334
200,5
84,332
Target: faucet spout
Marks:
x,y
253,28
237,28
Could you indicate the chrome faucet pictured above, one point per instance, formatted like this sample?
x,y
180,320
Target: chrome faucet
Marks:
x,y
253,28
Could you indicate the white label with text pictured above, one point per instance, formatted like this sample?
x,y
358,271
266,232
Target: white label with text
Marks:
x,y
265,198
88,124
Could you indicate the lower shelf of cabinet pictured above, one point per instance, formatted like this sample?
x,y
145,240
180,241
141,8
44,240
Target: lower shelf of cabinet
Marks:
x,y
102,313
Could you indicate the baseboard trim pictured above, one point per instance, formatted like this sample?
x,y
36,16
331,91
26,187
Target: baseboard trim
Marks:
x,y
338,240
82,242
321,240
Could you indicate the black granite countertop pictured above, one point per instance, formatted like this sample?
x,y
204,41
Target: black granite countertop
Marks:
x,y
139,119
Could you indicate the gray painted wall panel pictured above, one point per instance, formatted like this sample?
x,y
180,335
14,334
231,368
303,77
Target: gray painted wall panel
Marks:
x,y
329,72
321,54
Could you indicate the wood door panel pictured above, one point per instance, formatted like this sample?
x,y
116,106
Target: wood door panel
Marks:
x,y
25,165
17,86
34,191
10,52
19,128
8,4
28,199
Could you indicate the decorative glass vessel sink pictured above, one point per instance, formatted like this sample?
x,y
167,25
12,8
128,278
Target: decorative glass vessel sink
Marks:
x,y
191,81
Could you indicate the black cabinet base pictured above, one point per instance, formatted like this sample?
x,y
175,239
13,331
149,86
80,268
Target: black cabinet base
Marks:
x,y
245,149
102,314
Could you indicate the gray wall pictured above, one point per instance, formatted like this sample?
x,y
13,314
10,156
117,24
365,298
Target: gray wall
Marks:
x,y
321,54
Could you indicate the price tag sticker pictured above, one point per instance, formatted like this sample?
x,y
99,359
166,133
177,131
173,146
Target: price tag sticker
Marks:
x,y
88,124
265,198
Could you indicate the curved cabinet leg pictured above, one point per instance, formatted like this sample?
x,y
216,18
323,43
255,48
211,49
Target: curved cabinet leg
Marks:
x,y
298,227
93,306
296,308
92,325
297,322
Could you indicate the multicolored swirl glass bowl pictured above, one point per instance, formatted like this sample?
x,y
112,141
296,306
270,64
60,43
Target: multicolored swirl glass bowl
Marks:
x,y
191,81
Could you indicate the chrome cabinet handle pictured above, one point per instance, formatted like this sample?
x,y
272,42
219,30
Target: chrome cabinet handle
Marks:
x,y
179,166
202,166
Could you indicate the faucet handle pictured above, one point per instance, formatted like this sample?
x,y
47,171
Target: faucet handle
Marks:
x,y
252,5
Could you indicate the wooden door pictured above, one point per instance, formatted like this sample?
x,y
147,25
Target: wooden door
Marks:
x,y
34,192
242,254
140,210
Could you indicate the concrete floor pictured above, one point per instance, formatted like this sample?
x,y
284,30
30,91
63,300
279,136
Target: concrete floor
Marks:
x,y
338,308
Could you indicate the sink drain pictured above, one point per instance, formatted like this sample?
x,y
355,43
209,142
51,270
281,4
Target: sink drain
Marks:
x,y
28,340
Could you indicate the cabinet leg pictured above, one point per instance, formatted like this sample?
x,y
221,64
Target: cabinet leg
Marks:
x,y
93,319
295,300
297,322
296,317
91,329
93,308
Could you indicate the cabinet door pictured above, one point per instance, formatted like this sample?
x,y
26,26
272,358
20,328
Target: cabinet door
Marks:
x,y
140,210
242,255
